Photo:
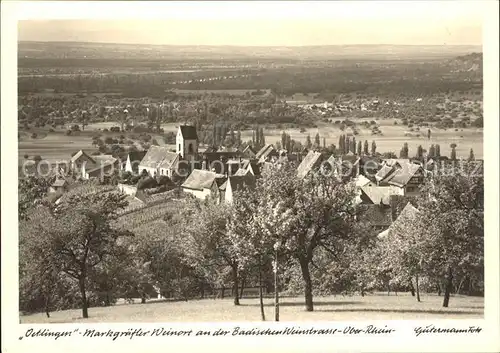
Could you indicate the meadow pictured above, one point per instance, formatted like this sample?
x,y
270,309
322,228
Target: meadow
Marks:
x,y
58,146
370,307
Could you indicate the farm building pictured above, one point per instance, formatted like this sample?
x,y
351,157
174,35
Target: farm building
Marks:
x,y
267,154
403,176
203,183
235,183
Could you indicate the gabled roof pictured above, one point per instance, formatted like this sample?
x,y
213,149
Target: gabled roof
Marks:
x,y
80,154
249,149
238,182
311,160
361,181
407,214
401,177
135,155
263,150
158,155
383,173
188,132
200,179
376,194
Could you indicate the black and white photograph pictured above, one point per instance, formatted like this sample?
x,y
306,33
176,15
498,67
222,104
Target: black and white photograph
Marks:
x,y
267,165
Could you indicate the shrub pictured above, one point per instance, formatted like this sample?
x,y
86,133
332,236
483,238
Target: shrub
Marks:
x,y
34,135
69,132
115,129
75,127
51,130
146,183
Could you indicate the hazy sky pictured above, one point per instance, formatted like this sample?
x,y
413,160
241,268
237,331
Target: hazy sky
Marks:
x,y
266,23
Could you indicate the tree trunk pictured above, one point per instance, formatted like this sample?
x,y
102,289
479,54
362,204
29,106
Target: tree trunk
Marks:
x,y
222,292
461,284
235,285
47,305
85,310
412,289
304,266
448,288
362,292
418,291
242,287
439,289
261,296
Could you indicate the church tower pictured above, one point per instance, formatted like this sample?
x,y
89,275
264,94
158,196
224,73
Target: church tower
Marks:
x,y
187,142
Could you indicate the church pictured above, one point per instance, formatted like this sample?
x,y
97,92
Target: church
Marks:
x,y
160,160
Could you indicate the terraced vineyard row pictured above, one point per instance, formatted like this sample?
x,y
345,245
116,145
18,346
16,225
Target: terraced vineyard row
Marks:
x,y
144,215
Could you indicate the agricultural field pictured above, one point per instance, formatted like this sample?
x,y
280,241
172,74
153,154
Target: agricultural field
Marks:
x,y
350,308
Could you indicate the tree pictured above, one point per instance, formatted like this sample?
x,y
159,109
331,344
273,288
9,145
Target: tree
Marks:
x,y
208,243
404,151
31,190
471,155
429,134
76,236
360,148
347,145
374,148
353,145
438,151
341,143
283,139
308,142
453,154
317,141
420,152
365,148
452,206
262,138
432,151
322,210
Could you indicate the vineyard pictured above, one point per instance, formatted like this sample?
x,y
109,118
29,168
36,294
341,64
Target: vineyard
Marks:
x,y
146,214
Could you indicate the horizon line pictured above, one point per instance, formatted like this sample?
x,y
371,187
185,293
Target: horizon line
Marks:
x,y
252,46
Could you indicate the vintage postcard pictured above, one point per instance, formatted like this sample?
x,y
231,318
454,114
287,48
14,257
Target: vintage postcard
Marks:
x,y
292,176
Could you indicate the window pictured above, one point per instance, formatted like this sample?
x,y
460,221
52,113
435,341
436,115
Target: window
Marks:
x,y
190,148
179,147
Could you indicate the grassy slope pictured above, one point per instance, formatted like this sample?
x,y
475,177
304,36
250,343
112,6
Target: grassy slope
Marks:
x,y
372,307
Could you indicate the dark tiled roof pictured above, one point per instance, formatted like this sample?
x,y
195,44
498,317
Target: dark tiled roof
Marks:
x,y
263,150
80,154
136,155
188,132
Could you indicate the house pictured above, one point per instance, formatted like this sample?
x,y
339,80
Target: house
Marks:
x,y
250,166
203,183
78,160
186,142
159,161
407,214
59,185
403,176
310,162
249,152
267,154
132,160
375,195
234,184
100,166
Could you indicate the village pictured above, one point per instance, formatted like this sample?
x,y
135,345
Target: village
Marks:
x,y
157,175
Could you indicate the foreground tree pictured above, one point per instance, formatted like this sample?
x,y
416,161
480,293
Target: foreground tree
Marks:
x,y
321,215
452,205
76,236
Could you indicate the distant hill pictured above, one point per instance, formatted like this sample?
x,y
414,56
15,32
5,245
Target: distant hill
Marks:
x,y
466,63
